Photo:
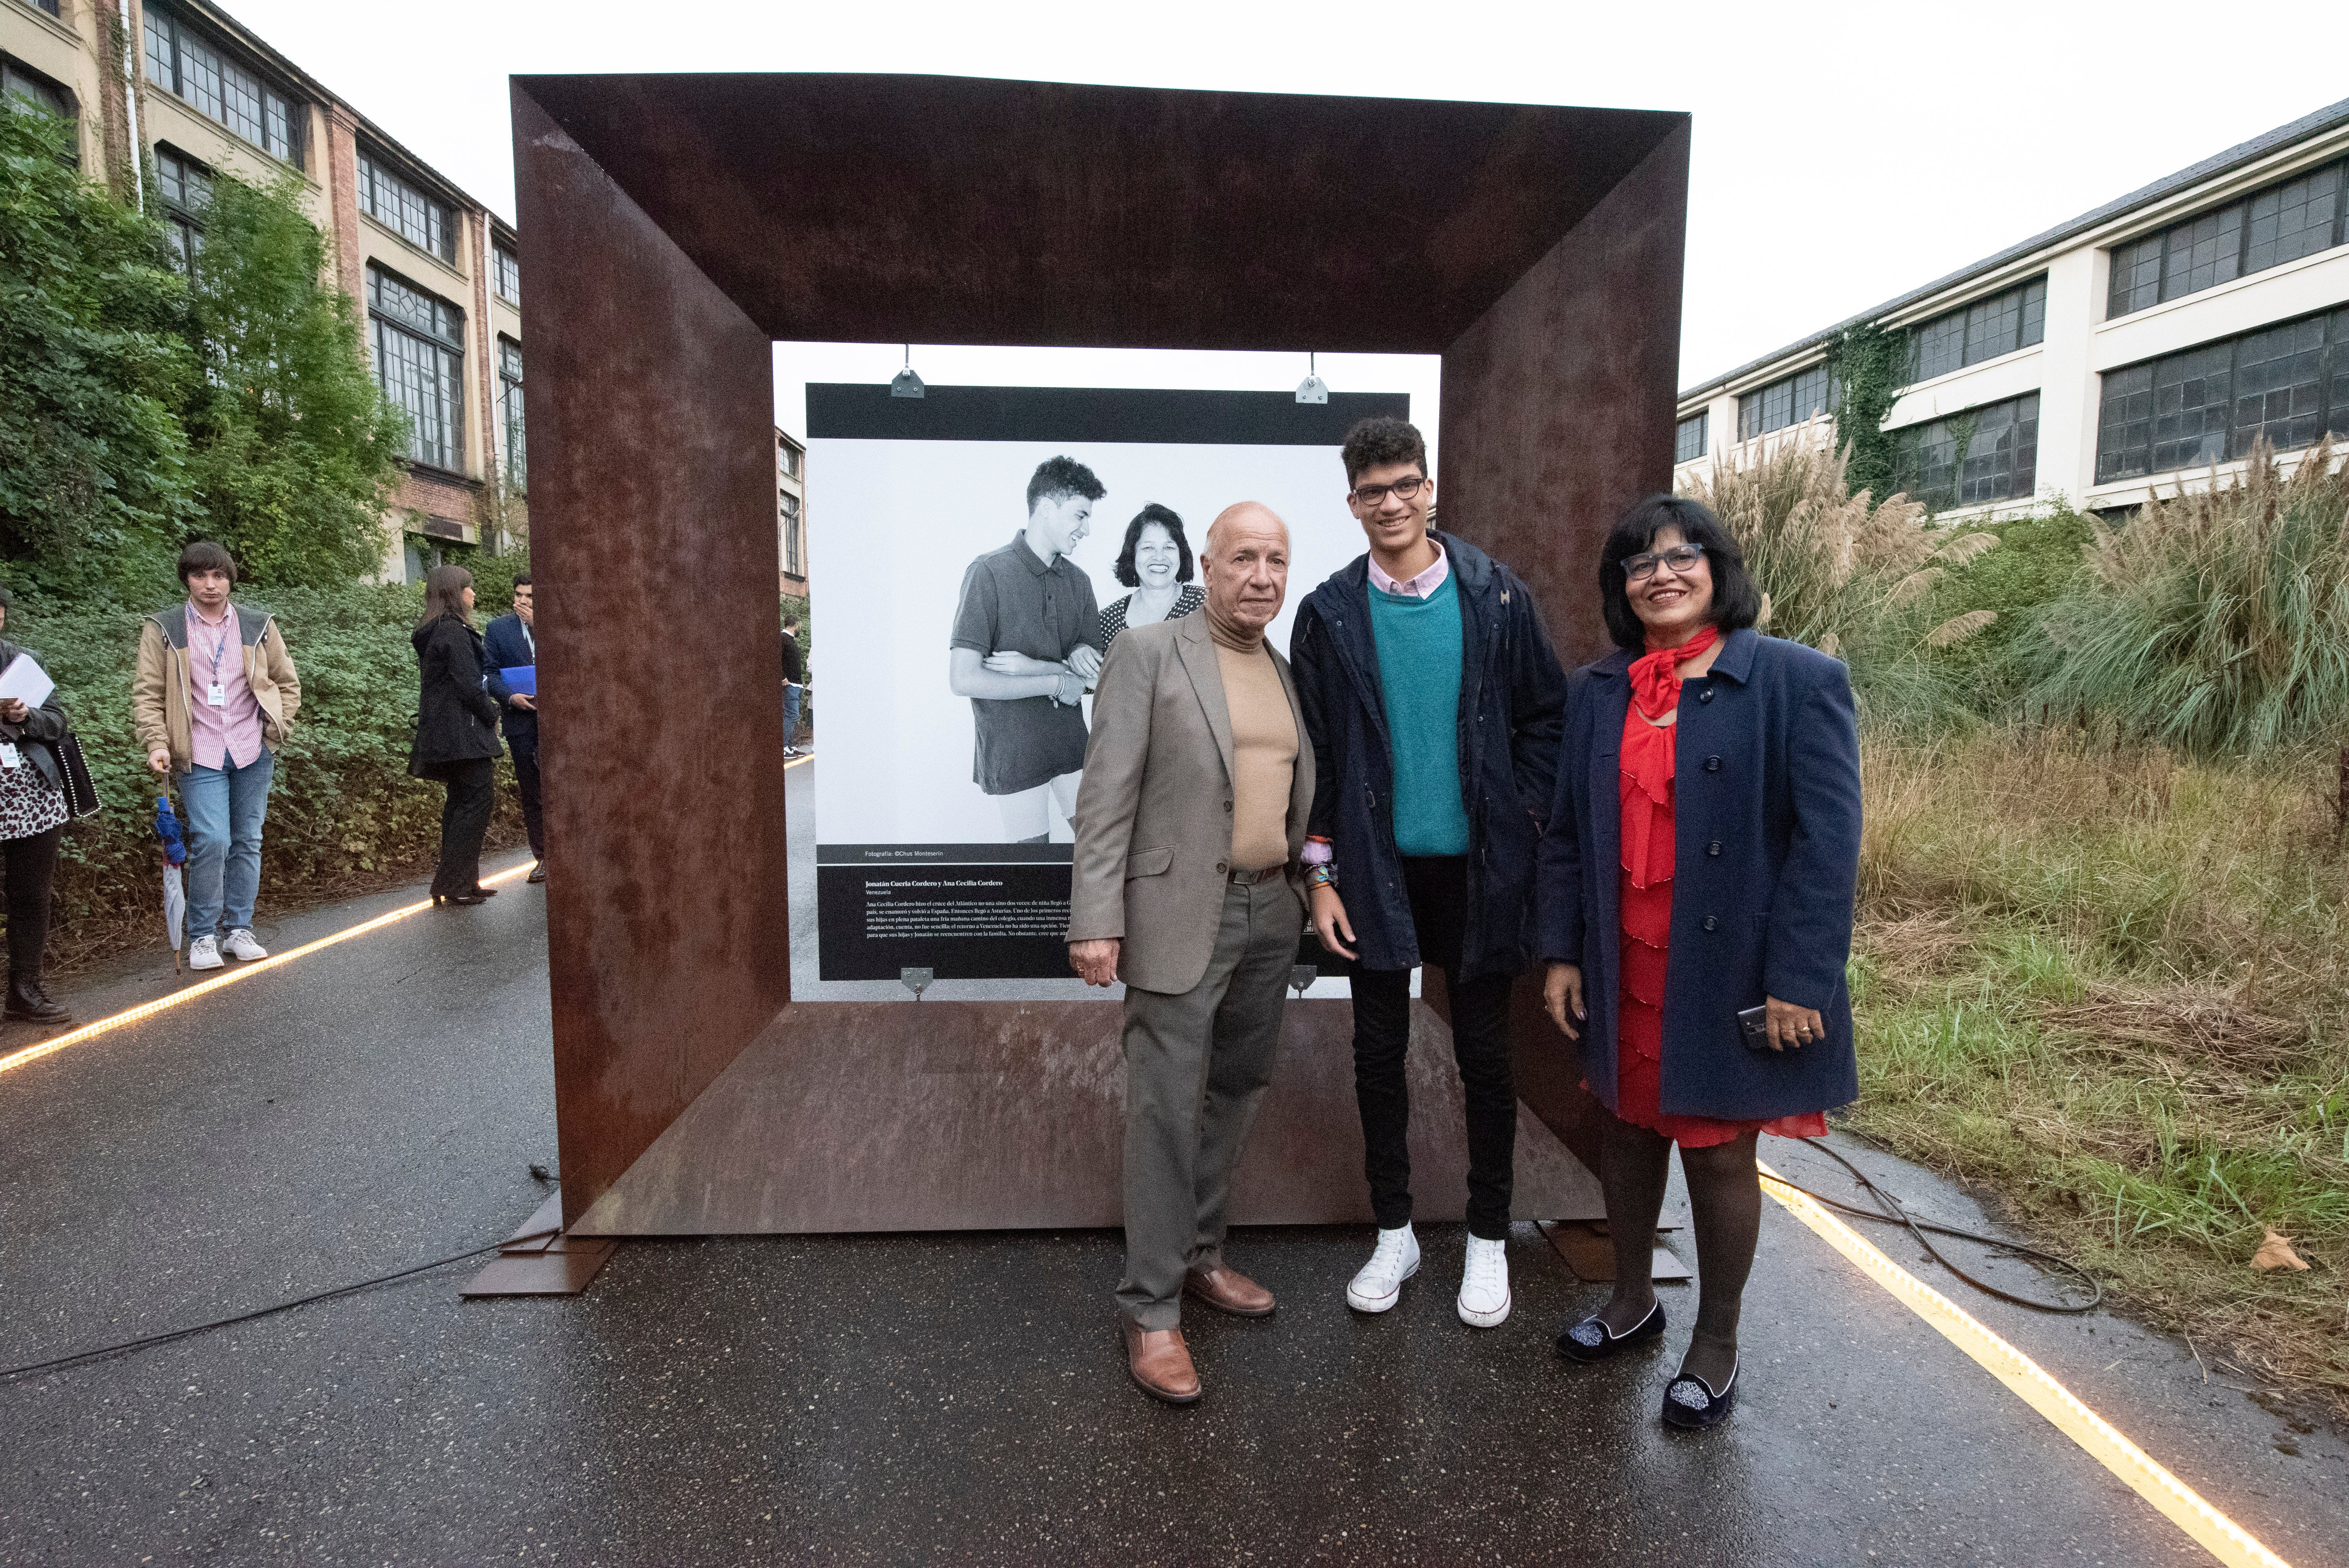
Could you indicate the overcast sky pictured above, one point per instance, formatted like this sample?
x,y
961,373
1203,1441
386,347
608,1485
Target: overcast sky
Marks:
x,y
1843,153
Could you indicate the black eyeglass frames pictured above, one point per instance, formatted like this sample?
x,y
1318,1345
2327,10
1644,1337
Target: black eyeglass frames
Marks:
x,y
1370,495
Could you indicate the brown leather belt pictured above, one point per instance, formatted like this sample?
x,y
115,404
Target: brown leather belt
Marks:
x,y
1249,879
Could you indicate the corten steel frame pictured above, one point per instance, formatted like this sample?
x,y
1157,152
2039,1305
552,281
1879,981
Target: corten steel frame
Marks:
x,y
673,226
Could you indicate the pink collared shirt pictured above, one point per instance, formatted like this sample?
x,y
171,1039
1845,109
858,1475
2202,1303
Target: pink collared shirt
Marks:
x,y
1423,586
233,730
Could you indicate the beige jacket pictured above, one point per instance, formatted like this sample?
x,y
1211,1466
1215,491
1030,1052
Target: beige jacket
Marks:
x,y
1153,817
161,690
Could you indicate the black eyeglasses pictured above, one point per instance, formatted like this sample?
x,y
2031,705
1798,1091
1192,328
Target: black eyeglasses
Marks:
x,y
1680,558
1370,495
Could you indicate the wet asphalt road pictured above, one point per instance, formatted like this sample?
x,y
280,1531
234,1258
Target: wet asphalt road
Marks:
x,y
952,1398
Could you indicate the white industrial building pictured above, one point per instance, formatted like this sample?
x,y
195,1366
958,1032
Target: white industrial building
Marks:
x,y
2147,343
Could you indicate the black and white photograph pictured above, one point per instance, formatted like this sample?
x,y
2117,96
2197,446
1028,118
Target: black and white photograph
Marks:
x,y
1003,539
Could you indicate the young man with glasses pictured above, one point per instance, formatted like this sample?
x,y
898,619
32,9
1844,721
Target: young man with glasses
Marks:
x,y
1434,705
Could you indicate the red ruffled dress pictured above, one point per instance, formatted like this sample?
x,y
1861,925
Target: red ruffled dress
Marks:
x,y
1644,892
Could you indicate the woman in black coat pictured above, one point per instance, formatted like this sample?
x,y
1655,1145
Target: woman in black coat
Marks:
x,y
35,805
456,730
1695,891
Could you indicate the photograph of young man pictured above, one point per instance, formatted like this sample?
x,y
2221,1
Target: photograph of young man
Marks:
x,y
1027,643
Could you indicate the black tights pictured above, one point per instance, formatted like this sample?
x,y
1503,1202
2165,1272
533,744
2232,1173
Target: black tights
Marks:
x,y
1725,1201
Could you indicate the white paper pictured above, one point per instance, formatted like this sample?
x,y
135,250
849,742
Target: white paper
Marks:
x,y
25,681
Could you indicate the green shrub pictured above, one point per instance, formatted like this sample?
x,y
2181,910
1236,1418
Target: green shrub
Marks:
x,y
94,365
343,811
2037,560
2217,623
293,448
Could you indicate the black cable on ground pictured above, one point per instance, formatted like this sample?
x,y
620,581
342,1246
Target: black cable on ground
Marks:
x,y
1893,1213
1890,1211
78,1356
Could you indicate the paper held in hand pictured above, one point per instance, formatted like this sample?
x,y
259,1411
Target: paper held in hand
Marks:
x,y
25,681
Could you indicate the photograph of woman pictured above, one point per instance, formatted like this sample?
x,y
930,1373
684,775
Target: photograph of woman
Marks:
x,y
1156,564
1695,891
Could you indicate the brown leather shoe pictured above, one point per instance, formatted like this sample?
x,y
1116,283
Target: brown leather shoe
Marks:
x,y
1160,1362
1228,1290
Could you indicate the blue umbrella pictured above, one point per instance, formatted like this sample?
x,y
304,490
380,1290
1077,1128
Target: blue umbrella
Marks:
x,y
175,895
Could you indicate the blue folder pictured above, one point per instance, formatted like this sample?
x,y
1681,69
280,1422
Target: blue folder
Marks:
x,y
521,678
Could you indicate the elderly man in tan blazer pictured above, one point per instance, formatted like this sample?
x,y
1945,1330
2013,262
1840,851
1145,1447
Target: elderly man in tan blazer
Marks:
x,y
1198,776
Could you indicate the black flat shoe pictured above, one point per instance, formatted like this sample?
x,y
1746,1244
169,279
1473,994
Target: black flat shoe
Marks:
x,y
1591,1340
1693,1404
461,900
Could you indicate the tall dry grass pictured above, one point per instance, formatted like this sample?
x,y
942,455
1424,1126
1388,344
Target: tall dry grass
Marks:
x,y
1844,572
2216,622
2113,982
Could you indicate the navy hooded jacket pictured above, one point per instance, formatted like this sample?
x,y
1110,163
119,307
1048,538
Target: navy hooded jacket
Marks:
x,y
1511,700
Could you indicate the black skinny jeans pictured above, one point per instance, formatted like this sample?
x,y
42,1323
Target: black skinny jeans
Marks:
x,y
1437,888
32,866
464,823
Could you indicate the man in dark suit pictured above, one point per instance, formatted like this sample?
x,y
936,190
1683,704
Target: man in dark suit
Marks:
x,y
510,642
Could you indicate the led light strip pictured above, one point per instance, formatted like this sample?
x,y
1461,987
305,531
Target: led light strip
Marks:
x,y
2224,1539
15,1059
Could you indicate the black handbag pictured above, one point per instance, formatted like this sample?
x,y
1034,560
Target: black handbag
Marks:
x,y
73,773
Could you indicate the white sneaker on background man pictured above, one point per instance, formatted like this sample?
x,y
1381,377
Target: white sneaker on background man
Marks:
x,y
239,943
1484,1284
204,952
1379,1284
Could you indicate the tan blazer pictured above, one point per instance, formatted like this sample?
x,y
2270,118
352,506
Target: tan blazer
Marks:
x,y
1153,817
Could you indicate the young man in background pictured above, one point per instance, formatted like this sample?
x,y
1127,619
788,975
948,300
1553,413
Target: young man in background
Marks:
x,y
794,683
510,641
213,699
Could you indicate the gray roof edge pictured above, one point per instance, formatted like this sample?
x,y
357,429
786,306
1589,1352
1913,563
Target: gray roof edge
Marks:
x,y
2306,127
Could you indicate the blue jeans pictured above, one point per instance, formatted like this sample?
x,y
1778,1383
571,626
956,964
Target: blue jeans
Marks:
x,y
791,712
225,809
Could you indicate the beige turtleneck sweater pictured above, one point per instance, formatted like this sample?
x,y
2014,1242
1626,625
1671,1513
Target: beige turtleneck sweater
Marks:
x,y
1264,749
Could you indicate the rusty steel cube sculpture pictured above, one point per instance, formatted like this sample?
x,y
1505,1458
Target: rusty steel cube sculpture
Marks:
x,y
673,226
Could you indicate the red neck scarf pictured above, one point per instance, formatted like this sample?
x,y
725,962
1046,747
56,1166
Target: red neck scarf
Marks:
x,y
1649,757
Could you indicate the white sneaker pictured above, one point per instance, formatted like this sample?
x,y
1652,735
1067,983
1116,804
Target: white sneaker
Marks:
x,y
1379,1284
204,952
241,945
1484,1284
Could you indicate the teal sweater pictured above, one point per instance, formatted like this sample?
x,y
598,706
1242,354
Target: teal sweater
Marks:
x,y
1419,670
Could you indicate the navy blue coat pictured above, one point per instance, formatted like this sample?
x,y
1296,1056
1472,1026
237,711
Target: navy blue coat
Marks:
x,y
507,648
1512,699
1765,847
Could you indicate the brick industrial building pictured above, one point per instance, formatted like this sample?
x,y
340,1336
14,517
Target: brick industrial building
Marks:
x,y
167,92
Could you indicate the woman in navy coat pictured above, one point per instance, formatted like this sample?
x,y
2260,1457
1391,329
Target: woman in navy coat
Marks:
x,y
1702,858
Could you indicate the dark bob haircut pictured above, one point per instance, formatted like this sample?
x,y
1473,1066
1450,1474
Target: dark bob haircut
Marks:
x,y
1056,478
1376,442
1165,518
1736,602
205,555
